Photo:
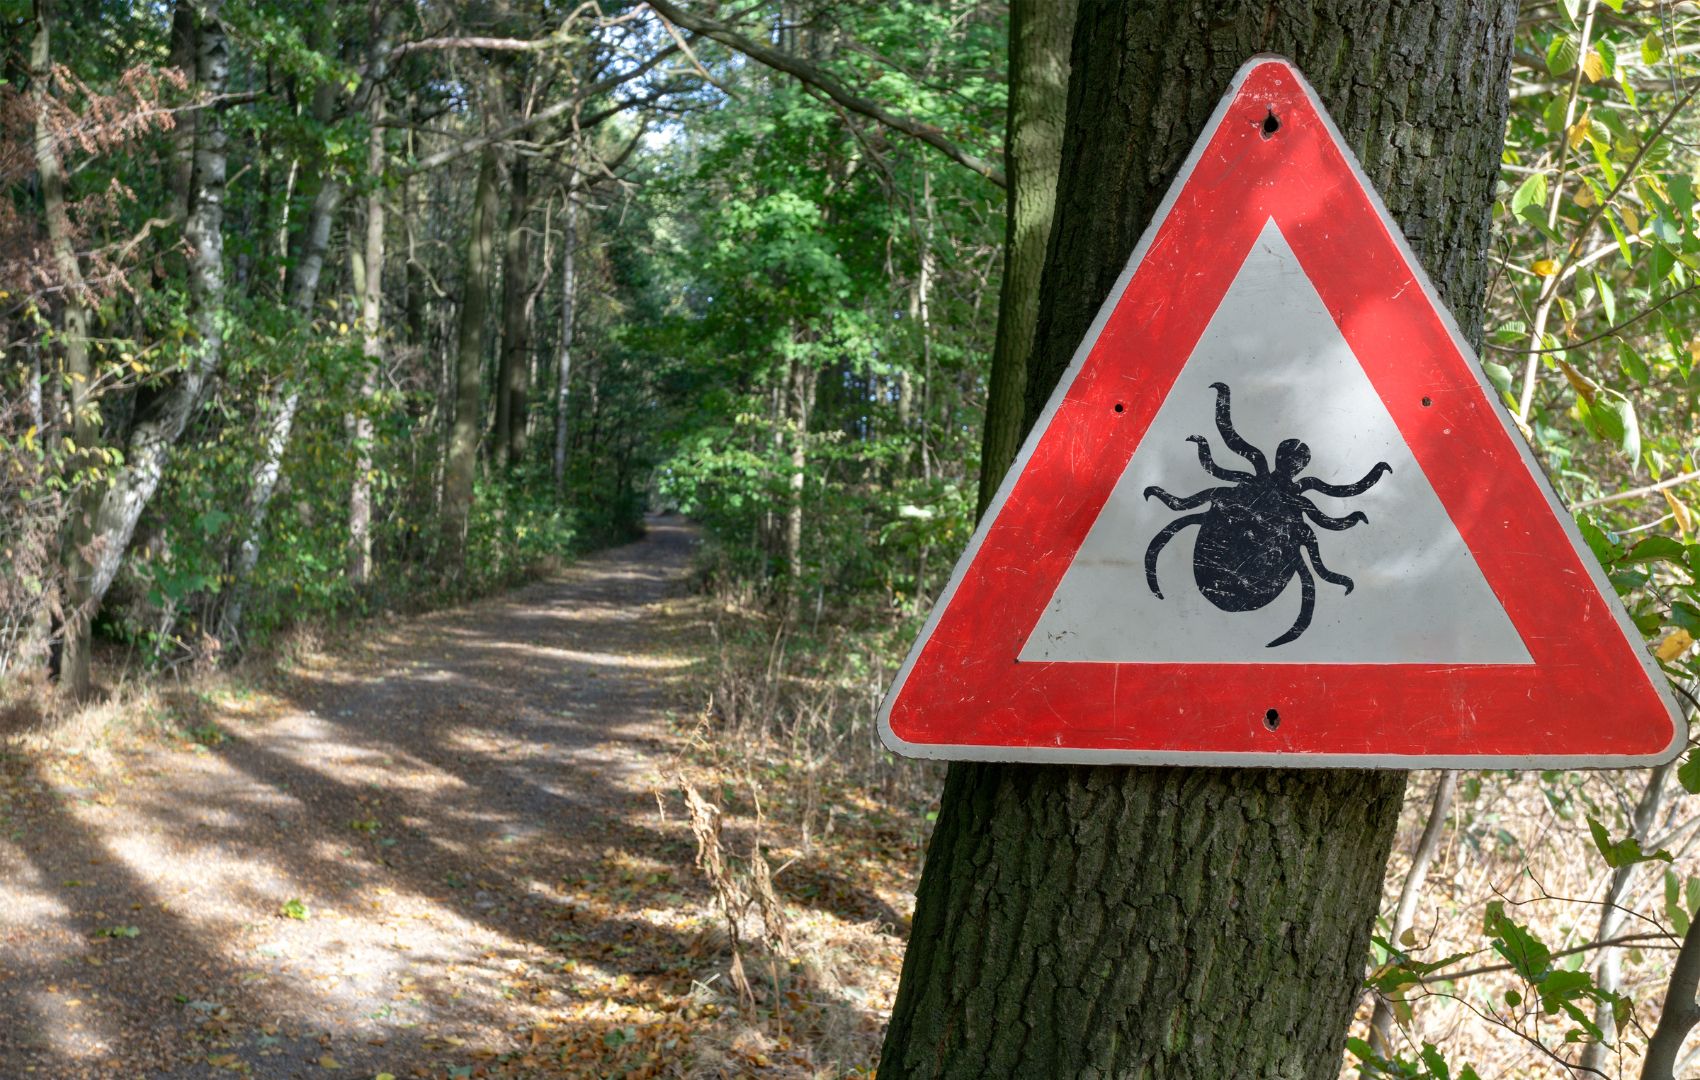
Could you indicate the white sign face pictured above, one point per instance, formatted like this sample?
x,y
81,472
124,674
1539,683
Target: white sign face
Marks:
x,y
1417,594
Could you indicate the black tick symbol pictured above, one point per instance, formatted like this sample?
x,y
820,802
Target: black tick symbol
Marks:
x,y
1250,539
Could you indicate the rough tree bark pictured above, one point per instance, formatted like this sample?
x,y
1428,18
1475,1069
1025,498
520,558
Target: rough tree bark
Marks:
x,y
162,416
461,468
1039,36
1181,923
569,300
512,390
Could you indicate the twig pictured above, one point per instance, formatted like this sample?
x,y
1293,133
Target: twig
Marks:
x,y
1636,493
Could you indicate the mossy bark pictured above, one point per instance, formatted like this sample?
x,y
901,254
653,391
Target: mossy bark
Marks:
x,y
1039,35
1193,923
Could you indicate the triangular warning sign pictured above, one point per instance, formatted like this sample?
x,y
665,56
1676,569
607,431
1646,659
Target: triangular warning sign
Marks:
x,y
1273,514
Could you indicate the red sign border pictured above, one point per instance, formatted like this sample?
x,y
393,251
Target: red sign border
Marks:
x,y
962,694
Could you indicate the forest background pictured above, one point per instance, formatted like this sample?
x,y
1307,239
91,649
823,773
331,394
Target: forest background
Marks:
x,y
315,311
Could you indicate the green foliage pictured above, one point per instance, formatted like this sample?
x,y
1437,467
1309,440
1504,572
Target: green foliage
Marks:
x,y
1625,852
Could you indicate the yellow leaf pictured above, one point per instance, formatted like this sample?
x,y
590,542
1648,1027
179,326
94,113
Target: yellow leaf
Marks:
x,y
1545,267
1578,133
1631,223
1674,645
222,1060
328,1062
1594,66
1584,386
1585,197
1679,510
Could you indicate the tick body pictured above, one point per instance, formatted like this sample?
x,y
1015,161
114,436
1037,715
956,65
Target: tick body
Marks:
x,y
1257,532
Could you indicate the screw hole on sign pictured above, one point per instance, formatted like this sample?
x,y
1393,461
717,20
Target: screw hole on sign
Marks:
x,y
1427,402
1272,719
1270,124
1119,406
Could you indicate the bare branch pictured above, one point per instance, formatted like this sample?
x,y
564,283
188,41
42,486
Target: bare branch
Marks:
x,y
811,75
1636,493
541,116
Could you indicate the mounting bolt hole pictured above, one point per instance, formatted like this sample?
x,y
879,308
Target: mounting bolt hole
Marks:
x,y
1270,124
1427,402
1119,406
1272,719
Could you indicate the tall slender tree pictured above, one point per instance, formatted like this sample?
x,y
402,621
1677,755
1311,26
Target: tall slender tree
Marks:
x,y
1168,922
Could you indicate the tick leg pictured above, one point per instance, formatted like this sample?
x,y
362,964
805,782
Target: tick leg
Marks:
x,y
1333,524
1307,605
1346,491
1225,427
1156,548
1178,502
1322,571
1210,465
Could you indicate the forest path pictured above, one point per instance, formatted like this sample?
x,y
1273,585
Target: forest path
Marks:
x,y
464,804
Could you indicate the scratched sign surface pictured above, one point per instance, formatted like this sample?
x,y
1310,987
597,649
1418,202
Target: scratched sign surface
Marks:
x,y
1273,514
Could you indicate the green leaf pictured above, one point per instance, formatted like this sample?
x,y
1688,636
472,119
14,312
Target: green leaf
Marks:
x,y
1531,192
1625,852
1608,51
1435,1063
294,909
1525,952
1685,615
1603,546
1562,54
1608,299
1631,362
1652,49
1657,548
1499,375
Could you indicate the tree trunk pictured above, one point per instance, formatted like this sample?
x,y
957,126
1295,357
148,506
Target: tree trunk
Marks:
x,y
802,400
1076,921
1405,910
74,351
564,365
1039,36
371,288
511,383
161,419
461,467
315,244
1615,909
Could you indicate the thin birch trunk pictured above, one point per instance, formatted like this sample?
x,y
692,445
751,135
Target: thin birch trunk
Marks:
x,y
1608,965
371,316
1405,910
159,425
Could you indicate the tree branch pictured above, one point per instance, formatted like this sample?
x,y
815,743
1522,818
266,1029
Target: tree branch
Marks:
x,y
541,116
1635,493
1680,1012
807,73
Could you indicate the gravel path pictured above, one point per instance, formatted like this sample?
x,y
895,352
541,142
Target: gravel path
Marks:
x,y
462,808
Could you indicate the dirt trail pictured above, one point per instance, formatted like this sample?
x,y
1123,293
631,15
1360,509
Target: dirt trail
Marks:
x,y
453,804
